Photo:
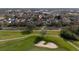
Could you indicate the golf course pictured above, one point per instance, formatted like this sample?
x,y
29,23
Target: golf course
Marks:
x,y
15,40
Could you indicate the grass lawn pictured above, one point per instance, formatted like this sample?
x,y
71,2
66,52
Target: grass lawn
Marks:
x,y
76,43
18,45
49,32
46,49
61,43
53,32
27,44
8,34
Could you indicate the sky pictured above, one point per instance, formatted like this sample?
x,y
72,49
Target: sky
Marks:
x,y
39,4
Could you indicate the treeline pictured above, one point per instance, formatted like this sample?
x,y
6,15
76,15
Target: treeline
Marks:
x,y
70,32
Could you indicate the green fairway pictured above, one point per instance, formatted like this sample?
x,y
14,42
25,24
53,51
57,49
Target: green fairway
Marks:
x,y
49,32
75,43
61,43
27,43
9,34
16,45
46,49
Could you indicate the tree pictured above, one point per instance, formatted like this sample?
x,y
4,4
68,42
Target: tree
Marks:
x,y
69,33
43,31
29,26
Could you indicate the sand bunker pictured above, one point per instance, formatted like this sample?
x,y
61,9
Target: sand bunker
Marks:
x,y
47,45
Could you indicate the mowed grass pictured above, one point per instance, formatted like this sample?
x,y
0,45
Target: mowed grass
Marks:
x,y
9,34
46,49
49,32
75,43
18,45
61,43
53,35
27,44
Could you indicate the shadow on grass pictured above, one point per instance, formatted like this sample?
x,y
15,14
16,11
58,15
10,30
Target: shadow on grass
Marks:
x,y
38,39
24,32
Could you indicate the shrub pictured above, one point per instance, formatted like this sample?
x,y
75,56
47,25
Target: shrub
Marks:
x,y
38,39
68,35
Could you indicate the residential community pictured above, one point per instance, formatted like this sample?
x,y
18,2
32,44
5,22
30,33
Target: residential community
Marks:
x,y
39,29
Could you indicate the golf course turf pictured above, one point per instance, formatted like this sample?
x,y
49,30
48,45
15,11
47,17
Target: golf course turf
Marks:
x,y
9,34
27,43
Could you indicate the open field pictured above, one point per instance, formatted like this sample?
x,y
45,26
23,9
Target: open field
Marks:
x,y
51,32
8,34
27,43
23,44
76,43
61,43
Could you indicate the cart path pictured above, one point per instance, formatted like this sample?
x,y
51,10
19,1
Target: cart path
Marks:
x,y
21,38
25,37
73,45
18,38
